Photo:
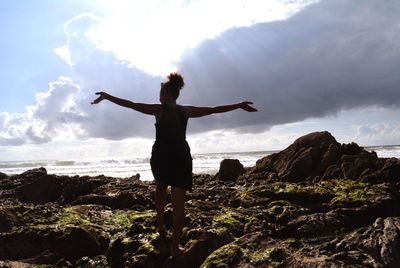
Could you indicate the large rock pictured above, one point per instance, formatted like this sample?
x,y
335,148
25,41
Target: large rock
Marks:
x,y
42,189
69,243
14,181
318,156
76,187
304,158
230,169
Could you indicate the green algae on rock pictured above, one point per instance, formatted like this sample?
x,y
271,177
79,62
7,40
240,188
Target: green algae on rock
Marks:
x,y
225,256
317,203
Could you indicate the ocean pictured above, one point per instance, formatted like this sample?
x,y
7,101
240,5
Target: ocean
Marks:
x,y
127,167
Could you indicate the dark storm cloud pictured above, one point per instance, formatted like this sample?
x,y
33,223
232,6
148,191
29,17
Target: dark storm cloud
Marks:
x,y
331,56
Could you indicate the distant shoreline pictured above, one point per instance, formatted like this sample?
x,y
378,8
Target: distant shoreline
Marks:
x,y
370,148
203,163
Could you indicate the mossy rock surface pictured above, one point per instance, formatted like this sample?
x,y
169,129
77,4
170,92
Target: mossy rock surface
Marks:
x,y
282,213
224,257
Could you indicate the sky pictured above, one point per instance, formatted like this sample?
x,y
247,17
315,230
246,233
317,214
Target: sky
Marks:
x,y
307,65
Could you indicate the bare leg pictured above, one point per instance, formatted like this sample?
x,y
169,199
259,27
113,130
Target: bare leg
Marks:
x,y
160,199
178,218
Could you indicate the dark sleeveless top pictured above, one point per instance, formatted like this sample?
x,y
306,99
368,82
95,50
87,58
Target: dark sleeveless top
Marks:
x,y
171,161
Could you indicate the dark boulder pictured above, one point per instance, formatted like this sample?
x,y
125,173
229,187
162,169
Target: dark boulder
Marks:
x,y
230,169
75,243
304,158
69,243
3,176
42,189
318,155
33,173
80,186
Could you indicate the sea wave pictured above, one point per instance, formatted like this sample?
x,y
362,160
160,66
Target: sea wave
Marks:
x,y
127,167
64,163
385,150
12,164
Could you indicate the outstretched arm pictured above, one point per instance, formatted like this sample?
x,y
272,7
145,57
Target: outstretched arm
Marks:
x,y
193,111
152,109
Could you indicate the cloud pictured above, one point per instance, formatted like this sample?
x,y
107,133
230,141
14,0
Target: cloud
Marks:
x,y
382,133
331,56
99,70
64,110
53,115
155,42
77,49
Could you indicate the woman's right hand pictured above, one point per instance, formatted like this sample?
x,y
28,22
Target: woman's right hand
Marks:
x,y
102,96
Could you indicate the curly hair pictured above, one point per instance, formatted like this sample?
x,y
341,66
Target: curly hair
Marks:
x,y
175,84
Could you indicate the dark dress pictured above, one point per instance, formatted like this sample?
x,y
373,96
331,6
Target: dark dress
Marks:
x,y
171,162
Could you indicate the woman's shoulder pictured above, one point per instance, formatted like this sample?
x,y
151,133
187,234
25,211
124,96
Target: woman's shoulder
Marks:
x,y
182,109
185,107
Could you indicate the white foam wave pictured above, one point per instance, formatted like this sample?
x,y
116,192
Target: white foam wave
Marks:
x,y
202,163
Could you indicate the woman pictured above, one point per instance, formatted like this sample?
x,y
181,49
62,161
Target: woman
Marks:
x,y
171,162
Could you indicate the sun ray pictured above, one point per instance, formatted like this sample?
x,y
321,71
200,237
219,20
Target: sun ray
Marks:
x,y
153,35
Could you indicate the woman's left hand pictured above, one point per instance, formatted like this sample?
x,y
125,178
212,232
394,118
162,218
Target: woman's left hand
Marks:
x,y
246,106
102,96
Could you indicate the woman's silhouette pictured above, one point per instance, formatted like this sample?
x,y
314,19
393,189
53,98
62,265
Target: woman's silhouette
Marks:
x,y
171,162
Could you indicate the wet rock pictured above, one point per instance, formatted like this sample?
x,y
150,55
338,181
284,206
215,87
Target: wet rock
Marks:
x,y
33,173
94,199
99,261
116,251
8,219
230,169
42,189
313,225
318,155
120,201
75,243
197,249
351,149
381,242
45,257
16,264
80,186
3,176
388,171
251,250
140,261
62,263
70,243
317,203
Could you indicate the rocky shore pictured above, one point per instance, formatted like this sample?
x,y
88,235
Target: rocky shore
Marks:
x,y
318,203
